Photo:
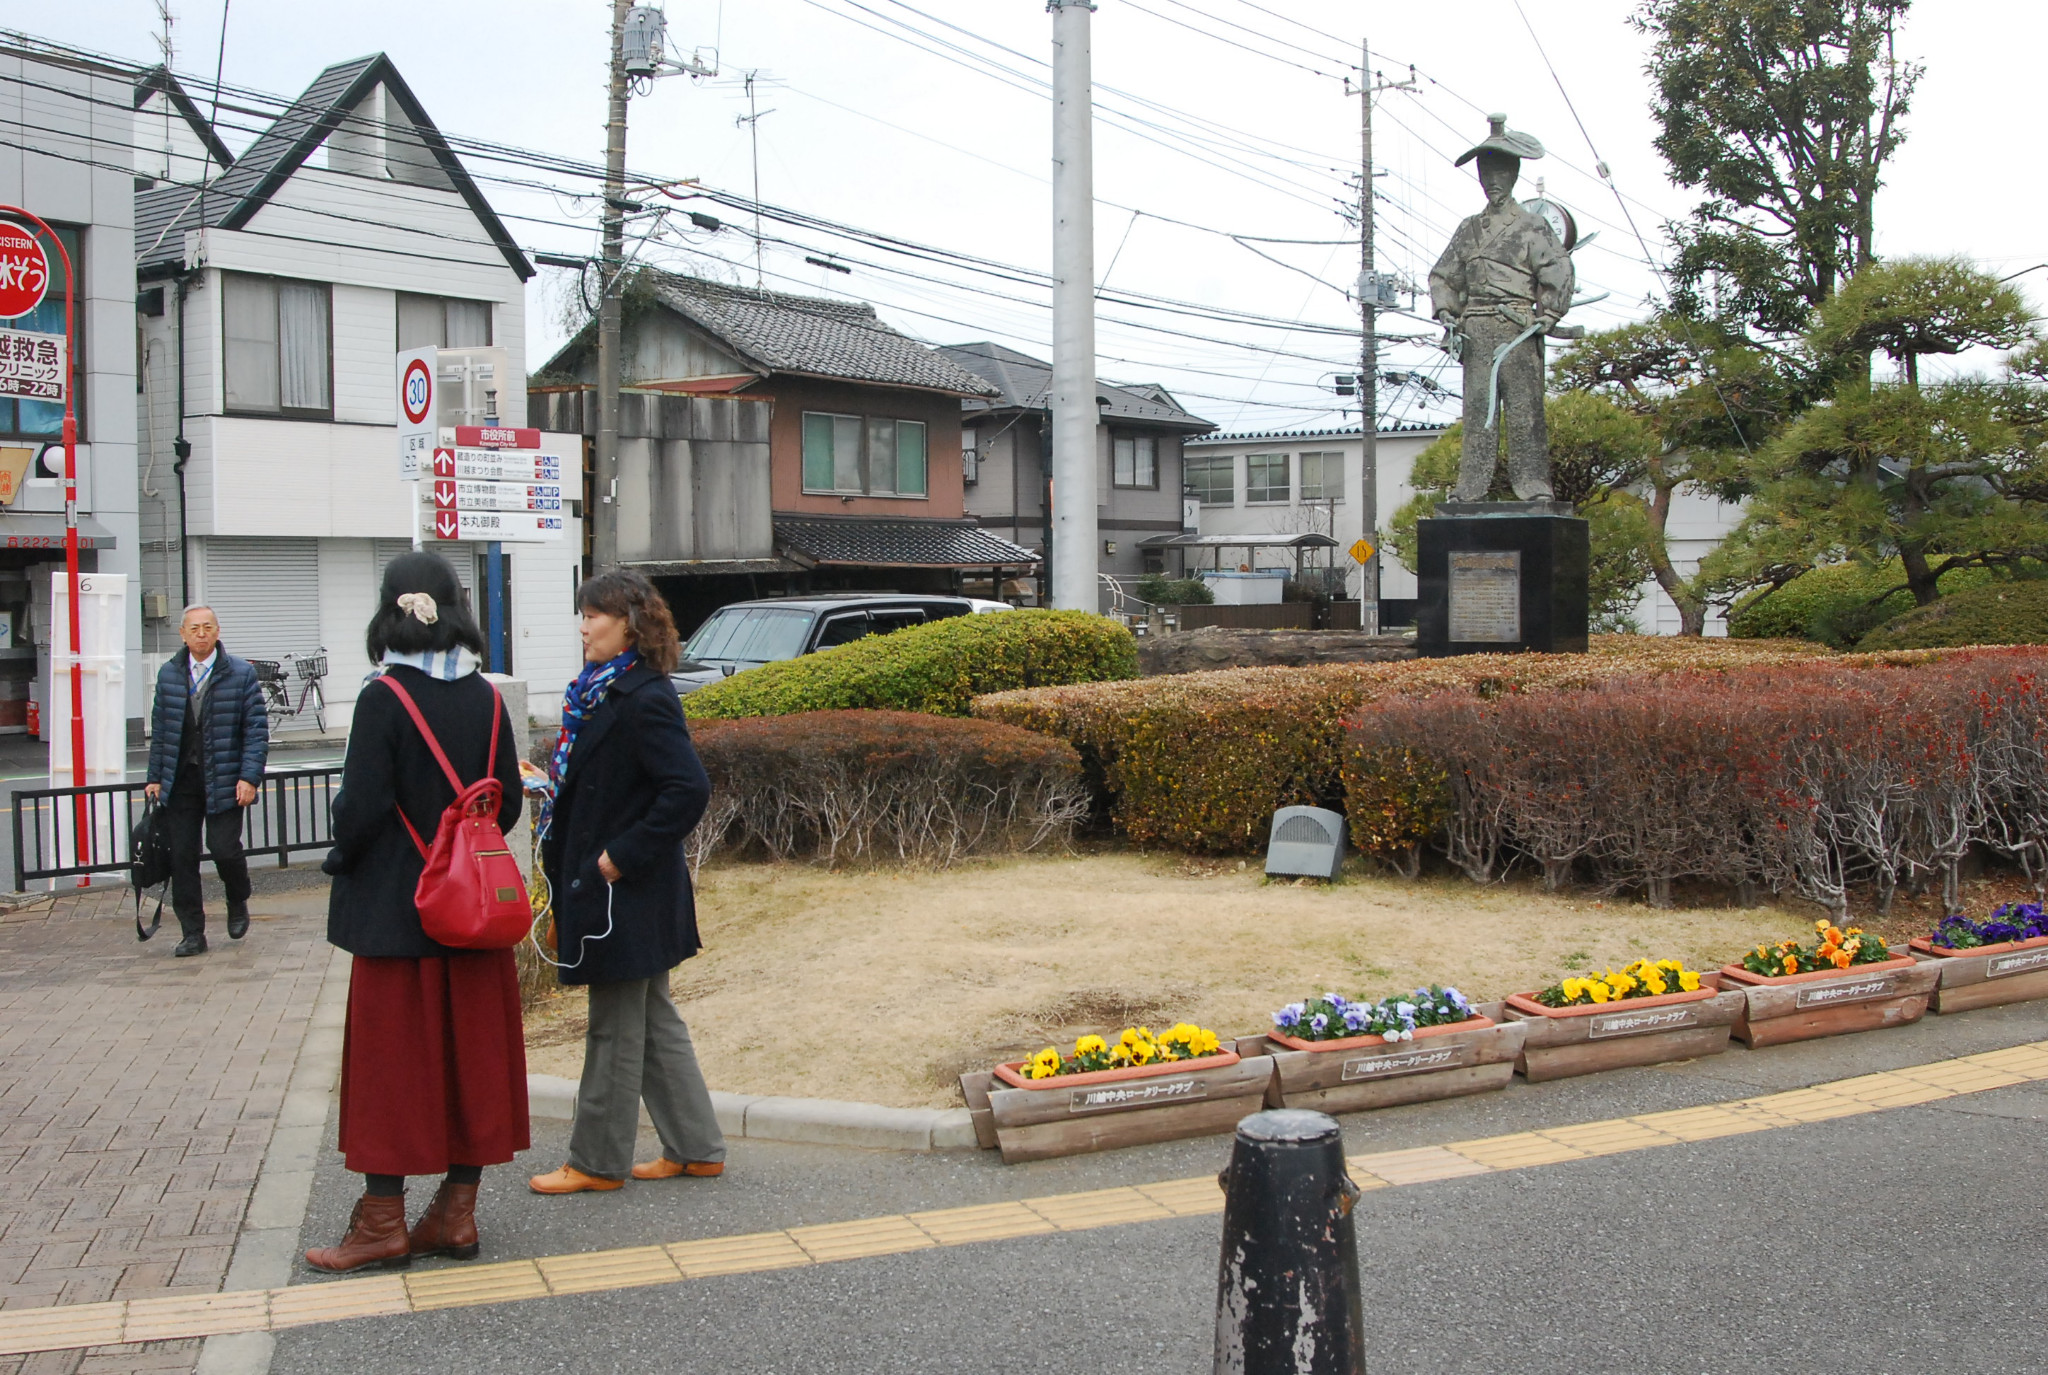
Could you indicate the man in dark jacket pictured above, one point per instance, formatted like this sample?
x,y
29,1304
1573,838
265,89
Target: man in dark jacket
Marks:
x,y
209,738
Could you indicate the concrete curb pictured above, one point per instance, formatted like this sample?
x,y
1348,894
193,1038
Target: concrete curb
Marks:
x,y
810,1121
269,1239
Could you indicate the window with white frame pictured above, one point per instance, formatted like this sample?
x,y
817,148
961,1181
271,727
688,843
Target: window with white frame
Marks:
x,y
278,345
1265,477
447,322
1212,477
851,455
1134,460
970,456
1322,477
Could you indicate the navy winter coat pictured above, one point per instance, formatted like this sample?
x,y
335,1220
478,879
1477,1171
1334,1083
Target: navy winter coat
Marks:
x,y
635,788
236,741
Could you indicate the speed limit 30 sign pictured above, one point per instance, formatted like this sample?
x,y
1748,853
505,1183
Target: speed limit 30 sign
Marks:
x,y
417,411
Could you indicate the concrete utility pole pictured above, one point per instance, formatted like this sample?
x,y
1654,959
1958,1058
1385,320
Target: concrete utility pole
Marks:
x,y
1071,523
1368,354
1368,339
603,514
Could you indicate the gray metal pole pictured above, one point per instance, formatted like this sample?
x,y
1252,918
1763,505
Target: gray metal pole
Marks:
x,y
1369,357
1074,412
604,508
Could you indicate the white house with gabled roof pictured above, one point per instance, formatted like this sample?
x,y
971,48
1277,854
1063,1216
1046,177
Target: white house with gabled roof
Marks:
x,y
275,295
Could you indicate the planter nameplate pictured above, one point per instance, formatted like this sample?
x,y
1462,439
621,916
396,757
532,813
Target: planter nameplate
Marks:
x,y
1827,995
1998,966
1415,1060
1142,1094
1641,1023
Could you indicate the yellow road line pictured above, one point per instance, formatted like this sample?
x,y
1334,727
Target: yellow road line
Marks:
x,y
203,1315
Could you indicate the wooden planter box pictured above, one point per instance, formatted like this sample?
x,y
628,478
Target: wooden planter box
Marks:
x,y
1362,1072
2009,972
1830,1002
1109,1109
1564,1041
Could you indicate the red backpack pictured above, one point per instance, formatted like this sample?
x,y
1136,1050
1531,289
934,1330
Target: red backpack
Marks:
x,y
471,894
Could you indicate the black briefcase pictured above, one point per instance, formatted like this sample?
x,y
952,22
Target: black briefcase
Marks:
x,y
149,863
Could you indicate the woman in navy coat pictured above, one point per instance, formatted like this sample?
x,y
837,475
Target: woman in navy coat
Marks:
x,y
628,790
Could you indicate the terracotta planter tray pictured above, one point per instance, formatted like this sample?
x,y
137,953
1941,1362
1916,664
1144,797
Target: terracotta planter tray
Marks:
x,y
1359,1073
1109,1109
1284,1042
1831,1002
1565,1041
1987,975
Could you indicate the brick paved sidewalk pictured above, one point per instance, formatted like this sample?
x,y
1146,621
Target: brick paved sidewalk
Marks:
x,y
137,1097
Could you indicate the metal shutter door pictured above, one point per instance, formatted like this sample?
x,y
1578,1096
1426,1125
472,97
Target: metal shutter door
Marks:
x,y
460,555
266,593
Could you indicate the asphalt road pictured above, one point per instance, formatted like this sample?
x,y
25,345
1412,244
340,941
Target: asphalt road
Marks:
x,y
1896,1241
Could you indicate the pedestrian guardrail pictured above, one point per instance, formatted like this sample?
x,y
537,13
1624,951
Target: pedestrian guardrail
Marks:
x,y
67,832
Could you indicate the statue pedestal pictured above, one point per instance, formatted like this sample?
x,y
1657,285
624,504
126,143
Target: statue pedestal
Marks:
x,y
1501,577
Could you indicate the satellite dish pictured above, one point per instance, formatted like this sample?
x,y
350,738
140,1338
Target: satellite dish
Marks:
x,y
1558,218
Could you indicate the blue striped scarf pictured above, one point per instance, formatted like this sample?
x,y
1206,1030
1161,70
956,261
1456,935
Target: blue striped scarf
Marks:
x,y
585,693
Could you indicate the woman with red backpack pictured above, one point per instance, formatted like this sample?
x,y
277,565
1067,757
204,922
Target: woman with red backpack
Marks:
x,y
433,1074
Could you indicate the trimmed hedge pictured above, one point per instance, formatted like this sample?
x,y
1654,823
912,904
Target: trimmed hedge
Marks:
x,y
1200,761
1835,604
839,786
1802,777
2000,613
938,668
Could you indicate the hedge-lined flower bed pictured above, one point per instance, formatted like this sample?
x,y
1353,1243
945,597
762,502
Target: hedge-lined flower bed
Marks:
x,y
938,668
1201,761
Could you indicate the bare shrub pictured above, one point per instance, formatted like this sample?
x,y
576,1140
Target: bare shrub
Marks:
x,y
842,787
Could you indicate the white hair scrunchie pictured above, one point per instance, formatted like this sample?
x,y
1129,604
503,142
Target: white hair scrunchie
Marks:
x,y
421,605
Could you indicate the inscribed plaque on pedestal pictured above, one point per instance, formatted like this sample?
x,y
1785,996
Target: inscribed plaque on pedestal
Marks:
x,y
1486,596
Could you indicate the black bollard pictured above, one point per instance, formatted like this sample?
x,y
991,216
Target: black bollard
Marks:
x,y
1287,1299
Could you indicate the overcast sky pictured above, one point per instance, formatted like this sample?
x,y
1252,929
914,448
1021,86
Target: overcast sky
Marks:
x,y
1241,131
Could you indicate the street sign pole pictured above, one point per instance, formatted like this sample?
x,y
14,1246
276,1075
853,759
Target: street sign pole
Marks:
x,y
418,422
70,502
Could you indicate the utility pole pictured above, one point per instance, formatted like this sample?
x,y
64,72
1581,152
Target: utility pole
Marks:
x,y
1070,524
603,512
1368,340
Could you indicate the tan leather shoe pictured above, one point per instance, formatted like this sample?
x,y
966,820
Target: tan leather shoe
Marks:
x,y
664,1168
570,1180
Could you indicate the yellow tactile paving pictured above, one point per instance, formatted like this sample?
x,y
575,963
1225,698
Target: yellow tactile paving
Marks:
x,y
101,1324
475,1284
304,1304
1705,1124
1610,1138
196,1315
737,1255
990,1222
872,1236
1419,1166
1097,1208
59,1329
1517,1151
628,1268
1186,1197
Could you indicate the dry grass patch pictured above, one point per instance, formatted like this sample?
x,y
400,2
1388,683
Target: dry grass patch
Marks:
x,y
884,985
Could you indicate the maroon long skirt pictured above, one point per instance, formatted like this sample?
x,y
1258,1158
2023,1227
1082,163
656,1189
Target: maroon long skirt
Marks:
x,y
433,1064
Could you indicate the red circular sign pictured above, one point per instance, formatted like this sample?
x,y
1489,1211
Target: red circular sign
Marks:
x,y
24,272
416,391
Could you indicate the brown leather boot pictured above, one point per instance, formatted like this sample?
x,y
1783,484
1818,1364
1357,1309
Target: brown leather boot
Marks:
x,y
376,1236
448,1227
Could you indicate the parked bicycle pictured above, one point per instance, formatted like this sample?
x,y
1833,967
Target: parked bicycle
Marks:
x,y
276,675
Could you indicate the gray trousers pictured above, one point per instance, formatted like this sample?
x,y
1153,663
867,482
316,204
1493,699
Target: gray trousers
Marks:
x,y
1521,399
638,1048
